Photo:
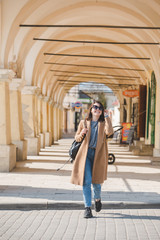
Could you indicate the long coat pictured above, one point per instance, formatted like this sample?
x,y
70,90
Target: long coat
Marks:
x,y
99,172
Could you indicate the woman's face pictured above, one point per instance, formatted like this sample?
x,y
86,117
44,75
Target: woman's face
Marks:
x,y
96,110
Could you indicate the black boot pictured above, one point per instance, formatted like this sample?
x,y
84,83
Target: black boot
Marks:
x,y
88,213
98,206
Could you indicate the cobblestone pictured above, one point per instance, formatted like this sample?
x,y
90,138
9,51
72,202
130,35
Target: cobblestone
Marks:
x,y
121,224
46,206
131,179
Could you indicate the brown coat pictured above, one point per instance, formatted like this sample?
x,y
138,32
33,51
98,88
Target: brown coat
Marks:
x,y
99,173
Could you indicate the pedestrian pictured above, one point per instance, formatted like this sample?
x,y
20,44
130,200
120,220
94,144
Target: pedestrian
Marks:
x,y
90,165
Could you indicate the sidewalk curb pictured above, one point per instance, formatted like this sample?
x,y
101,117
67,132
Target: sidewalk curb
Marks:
x,y
76,206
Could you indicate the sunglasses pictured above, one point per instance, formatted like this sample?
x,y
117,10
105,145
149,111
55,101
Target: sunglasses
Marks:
x,y
96,107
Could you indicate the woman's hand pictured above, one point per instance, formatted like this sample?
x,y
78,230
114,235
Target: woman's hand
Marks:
x,y
105,113
84,131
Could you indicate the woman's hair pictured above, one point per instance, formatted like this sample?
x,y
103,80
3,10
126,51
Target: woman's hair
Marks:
x,y
101,118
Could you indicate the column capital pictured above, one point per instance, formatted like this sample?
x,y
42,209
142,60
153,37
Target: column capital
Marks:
x,y
40,96
58,105
46,98
55,104
29,90
61,107
38,92
6,75
51,102
16,84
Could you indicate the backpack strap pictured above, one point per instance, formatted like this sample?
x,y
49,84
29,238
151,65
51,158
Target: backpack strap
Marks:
x,y
85,123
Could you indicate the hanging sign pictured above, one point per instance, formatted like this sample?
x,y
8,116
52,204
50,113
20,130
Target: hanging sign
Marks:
x,y
131,93
78,105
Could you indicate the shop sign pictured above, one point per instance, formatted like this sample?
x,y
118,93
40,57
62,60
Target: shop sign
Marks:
x,y
77,105
85,100
131,93
125,131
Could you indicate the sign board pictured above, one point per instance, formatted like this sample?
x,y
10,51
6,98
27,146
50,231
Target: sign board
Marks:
x,y
85,100
125,131
77,105
131,93
131,134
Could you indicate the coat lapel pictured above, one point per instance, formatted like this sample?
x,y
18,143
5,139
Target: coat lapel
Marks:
x,y
89,130
100,134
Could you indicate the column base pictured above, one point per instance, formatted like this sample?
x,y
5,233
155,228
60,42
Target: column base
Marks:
x,y
7,157
139,148
48,139
156,157
21,150
33,146
155,161
156,152
42,140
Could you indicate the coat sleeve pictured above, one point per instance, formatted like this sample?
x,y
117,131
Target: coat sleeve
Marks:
x,y
78,136
108,127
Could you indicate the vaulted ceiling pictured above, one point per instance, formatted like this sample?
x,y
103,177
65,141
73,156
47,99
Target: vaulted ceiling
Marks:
x,y
59,42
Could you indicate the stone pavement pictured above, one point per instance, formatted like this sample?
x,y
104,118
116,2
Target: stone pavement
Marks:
x,y
38,202
117,224
35,183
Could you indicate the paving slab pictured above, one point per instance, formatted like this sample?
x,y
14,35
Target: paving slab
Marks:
x,y
35,183
118,224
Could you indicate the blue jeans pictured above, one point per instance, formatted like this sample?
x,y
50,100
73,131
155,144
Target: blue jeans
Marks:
x,y
87,193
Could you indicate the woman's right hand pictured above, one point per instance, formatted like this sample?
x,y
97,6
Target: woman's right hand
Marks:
x,y
84,131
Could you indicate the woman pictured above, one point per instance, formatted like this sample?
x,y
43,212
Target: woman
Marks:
x,y
90,165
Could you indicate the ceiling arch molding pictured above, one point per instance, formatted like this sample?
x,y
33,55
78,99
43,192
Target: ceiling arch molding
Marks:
x,y
100,50
107,4
30,53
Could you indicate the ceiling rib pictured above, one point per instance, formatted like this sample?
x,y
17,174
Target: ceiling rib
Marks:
x,y
90,26
90,66
115,78
78,81
94,56
96,42
97,74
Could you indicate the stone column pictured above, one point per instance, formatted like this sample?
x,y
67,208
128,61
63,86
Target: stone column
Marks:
x,y
50,111
7,150
40,120
121,107
17,133
36,112
46,121
49,121
53,113
60,121
29,120
65,120
129,107
156,150
39,130
56,127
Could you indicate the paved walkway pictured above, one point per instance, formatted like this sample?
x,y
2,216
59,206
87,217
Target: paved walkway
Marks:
x,y
132,182
117,224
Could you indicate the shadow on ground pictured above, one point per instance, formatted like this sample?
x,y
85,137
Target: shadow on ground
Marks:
x,y
64,195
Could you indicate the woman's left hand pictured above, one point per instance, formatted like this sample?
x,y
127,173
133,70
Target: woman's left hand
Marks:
x,y
105,113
